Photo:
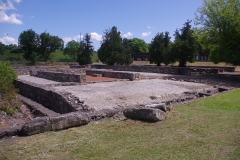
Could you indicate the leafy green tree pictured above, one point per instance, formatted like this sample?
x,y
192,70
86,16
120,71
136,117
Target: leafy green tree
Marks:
x,y
221,22
29,43
72,49
159,47
2,48
168,56
112,48
185,45
138,45
127,56
49,44
85,51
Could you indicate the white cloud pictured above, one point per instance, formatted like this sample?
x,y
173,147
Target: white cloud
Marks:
x,y
32,17
17,1
145,34
95,36
13,17
75,38
8,40
128,34
150,27
4,18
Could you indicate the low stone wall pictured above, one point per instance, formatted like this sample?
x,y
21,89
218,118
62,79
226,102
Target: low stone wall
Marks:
x,y
60,102
114,74
163,69
59,77
220,68
24,70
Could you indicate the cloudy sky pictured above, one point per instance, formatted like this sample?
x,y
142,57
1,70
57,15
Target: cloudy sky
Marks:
x,y
68,18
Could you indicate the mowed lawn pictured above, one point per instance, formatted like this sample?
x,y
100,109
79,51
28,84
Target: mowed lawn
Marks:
x,y
204,129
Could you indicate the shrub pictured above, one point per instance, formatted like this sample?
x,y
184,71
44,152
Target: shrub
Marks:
x,y
8,100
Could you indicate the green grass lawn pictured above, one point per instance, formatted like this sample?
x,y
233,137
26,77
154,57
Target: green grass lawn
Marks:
x,y
204,129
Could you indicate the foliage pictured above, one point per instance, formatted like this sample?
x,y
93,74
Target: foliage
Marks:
x,y
185,45
138,45
85,51
29,41
221,22
159,47
49,44
112,49
72,49
2,48
8,100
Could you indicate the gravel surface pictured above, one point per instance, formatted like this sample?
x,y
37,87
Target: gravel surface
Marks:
x,y
113,95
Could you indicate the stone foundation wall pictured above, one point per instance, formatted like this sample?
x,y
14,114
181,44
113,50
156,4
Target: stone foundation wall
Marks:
x,y
224,69
163,69
59,76
60,102
114,74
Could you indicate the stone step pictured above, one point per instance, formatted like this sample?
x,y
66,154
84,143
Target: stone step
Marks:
x,y
36,107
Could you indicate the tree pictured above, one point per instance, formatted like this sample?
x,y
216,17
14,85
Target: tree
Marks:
x,y
72,49
127,56
138,45
159,47
221,21
49,44
185,46
85,51
29,42
2,48
112,48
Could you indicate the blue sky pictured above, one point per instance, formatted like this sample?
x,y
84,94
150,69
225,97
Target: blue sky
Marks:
x,y
68,18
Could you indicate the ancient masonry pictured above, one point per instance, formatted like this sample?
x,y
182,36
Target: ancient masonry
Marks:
x,y
67,111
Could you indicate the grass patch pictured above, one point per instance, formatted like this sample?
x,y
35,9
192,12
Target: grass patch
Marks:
x,y
205,129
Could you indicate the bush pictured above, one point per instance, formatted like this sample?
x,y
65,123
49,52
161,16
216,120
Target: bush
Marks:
x,y
8,100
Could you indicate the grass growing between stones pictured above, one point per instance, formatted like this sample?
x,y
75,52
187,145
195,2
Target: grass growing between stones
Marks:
x,y
204,129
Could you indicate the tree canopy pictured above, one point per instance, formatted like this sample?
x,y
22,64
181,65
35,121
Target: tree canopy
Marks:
x,y
2,48
49,44
71,49
85,50
138,45
221,22
185,46
112,49
29,41
159,47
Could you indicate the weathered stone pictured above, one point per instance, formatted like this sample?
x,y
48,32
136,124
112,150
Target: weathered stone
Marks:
x,y
202,94
59,76
38,125
145,114
69,120
60,102
8,132
114,74
222,89
160,106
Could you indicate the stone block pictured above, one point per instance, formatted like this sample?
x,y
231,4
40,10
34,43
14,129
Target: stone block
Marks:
x,y
145,114
69,120
38,125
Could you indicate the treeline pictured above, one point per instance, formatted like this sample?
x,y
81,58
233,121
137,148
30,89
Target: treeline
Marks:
x,y
218,35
